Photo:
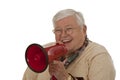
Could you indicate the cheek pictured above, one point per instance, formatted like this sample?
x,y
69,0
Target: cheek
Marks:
x,y
57,38
78,40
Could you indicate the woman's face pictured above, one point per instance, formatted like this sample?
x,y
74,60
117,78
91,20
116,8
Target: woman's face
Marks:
x,y
69,32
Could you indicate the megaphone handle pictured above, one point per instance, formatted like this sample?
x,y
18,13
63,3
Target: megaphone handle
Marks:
x,y
53,78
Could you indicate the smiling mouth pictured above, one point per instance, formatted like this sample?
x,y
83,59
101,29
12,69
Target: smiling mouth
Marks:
x,y
66,41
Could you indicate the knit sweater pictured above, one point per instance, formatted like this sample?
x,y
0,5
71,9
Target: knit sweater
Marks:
x,y
94,63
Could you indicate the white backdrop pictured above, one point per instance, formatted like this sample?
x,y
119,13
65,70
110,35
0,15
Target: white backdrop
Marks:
x,y
23,22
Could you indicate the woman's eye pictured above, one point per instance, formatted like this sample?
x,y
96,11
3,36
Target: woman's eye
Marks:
x,y
58,30
69,28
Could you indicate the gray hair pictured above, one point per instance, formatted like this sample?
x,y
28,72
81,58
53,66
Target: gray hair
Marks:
x,y
68,12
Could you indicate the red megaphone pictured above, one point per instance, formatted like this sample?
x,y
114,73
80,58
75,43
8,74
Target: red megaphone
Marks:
x,y
38,58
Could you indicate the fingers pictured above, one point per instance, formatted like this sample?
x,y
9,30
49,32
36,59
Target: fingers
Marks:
x,y
55,67
64,61
52,67
55,64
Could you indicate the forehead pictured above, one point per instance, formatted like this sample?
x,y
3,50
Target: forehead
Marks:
x,y
69,20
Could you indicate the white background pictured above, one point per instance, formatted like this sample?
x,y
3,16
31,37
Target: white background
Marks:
x,y
23,22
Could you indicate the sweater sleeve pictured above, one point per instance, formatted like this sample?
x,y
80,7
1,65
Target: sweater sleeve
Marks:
x,y
29,75
101,68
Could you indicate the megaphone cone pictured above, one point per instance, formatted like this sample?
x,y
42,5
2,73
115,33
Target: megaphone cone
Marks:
x,y
38,58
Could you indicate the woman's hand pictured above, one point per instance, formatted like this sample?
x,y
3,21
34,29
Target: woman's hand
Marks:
x,y
57,69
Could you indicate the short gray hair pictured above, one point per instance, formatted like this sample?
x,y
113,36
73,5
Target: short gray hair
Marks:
x,y
68,12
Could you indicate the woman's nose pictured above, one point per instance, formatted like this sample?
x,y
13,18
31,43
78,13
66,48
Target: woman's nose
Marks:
x,y
64,33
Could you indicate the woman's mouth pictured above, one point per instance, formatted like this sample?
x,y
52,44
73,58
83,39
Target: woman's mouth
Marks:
x,y
65,41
